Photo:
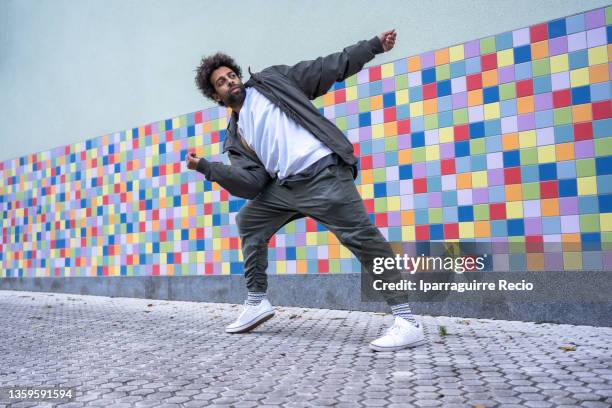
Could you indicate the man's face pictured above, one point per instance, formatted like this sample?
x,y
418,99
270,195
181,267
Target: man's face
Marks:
x,y
228,87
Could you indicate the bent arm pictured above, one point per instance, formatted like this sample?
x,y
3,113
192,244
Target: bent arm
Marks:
x,y
241,179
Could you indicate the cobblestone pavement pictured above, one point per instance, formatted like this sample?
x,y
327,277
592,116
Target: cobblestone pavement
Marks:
x,y
122,352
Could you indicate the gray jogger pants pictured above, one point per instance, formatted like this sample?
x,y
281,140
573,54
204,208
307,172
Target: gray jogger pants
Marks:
x,y
331,198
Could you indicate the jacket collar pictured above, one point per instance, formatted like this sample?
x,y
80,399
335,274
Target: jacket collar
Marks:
x,y
231,132
232,126
233,140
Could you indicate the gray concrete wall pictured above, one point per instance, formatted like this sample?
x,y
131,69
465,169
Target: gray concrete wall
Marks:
x,y
337,291
73,70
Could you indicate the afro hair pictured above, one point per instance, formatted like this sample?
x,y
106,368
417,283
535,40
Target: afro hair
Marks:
x,y
206,68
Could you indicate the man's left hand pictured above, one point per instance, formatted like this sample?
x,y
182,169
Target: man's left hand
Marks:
x,y
387,39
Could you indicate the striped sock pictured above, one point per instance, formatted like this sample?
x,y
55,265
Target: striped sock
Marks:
x,y
403,311
255,298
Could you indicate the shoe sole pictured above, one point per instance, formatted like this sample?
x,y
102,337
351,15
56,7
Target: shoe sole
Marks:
x,y
252,325
397,348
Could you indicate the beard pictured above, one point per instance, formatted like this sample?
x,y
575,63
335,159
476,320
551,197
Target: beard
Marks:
x,y
234,99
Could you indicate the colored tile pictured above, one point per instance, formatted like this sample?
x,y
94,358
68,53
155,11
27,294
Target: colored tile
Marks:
x,y
505,138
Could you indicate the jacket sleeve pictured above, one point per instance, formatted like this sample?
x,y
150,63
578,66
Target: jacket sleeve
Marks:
x,y
315,77
241,179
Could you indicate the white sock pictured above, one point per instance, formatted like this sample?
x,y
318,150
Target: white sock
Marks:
x,y
403,311
255,298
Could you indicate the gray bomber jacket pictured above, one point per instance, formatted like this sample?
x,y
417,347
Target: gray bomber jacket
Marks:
x,y
291,88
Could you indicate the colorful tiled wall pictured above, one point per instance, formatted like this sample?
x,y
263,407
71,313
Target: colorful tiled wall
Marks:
x,y
506,139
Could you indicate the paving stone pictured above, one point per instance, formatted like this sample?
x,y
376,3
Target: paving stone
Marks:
x,y
242,404
507,400
595,404
586,396
428,403
538,404
555,393
116,355
148,403
606,392
532,396
563,401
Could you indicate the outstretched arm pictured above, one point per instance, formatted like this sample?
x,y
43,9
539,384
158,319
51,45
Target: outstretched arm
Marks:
x,y
315,77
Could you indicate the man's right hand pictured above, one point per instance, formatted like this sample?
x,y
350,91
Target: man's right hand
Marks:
x,y
192,161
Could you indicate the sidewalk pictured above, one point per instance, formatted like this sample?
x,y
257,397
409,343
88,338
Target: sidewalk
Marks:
x,y
122,352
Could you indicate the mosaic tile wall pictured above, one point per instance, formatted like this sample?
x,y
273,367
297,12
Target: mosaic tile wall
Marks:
x,y
506,139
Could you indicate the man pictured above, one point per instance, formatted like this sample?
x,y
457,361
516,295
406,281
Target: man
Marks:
x,y
291,162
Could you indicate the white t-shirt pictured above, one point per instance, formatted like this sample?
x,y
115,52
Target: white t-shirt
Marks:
x,y
283,146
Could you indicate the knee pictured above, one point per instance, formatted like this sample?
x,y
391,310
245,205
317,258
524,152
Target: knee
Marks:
x,y
246,227
242,221
362,234
367,241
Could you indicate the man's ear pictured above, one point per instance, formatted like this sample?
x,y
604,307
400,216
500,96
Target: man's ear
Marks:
x,y
216,97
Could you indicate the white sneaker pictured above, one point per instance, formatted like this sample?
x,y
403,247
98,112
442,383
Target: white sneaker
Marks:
x,y
251,317
402,334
